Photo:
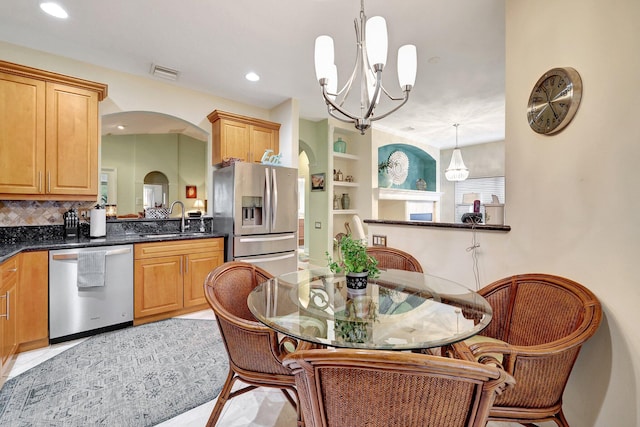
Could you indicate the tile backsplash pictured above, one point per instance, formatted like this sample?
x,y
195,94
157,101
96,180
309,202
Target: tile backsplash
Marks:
x,y
15,213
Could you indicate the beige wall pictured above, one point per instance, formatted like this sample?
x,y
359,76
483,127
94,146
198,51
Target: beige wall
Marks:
x,y
571,197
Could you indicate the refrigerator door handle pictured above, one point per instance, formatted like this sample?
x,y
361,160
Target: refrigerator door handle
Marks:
x,y
268,259
266,239
267,197
274,200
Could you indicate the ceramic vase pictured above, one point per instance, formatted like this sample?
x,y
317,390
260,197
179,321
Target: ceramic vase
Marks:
x,y
346,201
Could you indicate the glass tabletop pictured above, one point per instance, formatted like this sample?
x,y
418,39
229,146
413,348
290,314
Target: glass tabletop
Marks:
x,y
399,310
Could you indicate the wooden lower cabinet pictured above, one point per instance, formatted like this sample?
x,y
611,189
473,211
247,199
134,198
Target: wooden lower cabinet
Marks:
x,y
8,317
169,277
33,300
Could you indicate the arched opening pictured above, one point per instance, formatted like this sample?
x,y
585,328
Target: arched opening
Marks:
x,y
155,190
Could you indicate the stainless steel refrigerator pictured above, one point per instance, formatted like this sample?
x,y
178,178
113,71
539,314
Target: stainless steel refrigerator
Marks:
x,y
257,206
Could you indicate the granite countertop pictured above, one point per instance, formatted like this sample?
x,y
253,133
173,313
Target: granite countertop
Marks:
x,y
52,239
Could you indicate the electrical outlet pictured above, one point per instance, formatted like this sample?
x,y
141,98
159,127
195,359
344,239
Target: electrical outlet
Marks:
x,y
318,225
379,240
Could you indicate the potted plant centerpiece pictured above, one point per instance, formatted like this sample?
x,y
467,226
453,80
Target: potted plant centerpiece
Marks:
x,y
354,261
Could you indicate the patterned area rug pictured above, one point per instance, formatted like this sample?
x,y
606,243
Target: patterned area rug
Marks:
x,y
139,376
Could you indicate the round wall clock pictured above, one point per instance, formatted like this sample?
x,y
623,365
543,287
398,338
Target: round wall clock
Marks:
x,y
554,100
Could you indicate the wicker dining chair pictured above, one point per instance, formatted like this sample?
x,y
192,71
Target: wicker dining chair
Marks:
x,y
539,324
394,258
255,351
380,388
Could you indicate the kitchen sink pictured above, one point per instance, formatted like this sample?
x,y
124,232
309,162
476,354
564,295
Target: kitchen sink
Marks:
x,y
154,235
167,235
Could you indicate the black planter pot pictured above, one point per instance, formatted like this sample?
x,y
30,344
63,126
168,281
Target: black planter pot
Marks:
x,y
357,280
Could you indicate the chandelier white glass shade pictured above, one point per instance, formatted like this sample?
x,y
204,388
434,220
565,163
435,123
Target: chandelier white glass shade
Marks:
x,y
371,38
456,171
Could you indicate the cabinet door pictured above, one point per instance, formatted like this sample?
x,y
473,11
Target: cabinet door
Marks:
x,y
198,267
33,301
234,140
22,134
8,317
72,141
263,139
158,285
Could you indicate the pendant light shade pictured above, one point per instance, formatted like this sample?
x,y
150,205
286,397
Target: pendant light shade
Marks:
x,y
456,171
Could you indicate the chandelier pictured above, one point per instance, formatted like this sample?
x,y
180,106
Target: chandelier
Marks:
x,y
371,38
456,171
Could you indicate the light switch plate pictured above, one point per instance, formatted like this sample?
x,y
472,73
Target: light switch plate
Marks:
x,y
318,225
379,240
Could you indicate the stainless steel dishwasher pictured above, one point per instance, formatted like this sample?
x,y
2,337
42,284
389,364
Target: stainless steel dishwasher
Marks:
x,y
76,311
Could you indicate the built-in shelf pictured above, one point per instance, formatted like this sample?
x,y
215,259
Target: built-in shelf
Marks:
x,y
414,195
345,156
345,212
345,184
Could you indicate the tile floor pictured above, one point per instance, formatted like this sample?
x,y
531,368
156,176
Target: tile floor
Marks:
x,y
261,407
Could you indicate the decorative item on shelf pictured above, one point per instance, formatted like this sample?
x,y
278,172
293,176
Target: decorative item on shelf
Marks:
x,y
228,161
349,178
269,158
421,184
336,202
339,175
456,171
398,167
354,261
340,146
384,180
345,201
371,56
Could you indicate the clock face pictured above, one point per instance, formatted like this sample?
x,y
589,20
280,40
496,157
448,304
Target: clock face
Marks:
x,y
554,100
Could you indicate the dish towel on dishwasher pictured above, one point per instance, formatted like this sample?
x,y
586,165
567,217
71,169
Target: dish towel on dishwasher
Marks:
x,y
91,269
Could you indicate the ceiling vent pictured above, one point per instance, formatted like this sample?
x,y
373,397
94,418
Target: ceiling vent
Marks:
x,y
164,72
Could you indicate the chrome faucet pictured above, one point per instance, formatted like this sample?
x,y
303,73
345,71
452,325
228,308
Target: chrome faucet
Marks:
x,y
182,226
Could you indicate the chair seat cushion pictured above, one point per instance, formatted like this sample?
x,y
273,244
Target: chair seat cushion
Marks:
x,y
477,339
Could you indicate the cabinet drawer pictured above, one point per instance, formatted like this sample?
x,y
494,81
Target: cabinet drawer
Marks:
x,y
178,247
9,269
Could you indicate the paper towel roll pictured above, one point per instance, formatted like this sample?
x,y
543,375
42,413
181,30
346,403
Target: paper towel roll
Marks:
x,y
98,227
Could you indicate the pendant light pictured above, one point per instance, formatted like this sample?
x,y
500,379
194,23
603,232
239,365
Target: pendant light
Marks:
x,y
371,57
456,171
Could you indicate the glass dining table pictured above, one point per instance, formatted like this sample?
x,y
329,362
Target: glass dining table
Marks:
x,y
399,310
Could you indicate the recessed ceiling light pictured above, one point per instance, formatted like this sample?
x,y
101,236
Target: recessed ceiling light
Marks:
x,y
120,127
252,77
54,9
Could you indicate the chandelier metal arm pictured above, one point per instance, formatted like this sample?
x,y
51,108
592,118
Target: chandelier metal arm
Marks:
x,y
397,107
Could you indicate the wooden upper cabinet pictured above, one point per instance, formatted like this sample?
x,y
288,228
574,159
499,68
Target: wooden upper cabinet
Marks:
x,y
72,141
242,137
22,134
48,135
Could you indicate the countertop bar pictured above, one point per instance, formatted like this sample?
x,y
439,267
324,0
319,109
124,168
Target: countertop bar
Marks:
x,y
457,226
